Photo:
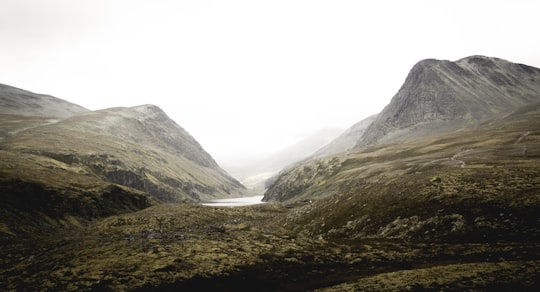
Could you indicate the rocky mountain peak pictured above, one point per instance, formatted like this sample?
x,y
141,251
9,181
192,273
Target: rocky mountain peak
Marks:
x,y
148,110
441,94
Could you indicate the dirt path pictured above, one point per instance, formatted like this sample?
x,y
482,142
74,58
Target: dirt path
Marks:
x,y
522,137
462,163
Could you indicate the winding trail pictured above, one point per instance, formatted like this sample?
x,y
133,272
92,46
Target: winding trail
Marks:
x,y
462,163
522,137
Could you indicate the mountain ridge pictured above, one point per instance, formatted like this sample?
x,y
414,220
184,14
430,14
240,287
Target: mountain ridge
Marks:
x,y
112,160
16,101
437,98
452,95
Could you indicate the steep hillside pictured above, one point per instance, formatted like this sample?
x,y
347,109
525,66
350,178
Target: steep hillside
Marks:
x,y
437,97
61,167
479,184
443,95
139,147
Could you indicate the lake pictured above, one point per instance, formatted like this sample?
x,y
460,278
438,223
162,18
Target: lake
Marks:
x,y
235,202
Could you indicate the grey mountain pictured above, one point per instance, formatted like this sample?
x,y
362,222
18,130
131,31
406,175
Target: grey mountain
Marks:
x,y
440,95
437,98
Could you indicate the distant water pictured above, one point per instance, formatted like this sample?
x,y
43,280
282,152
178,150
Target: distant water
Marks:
x,y
235,202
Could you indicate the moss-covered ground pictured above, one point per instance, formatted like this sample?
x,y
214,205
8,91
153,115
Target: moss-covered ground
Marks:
x,y
189,247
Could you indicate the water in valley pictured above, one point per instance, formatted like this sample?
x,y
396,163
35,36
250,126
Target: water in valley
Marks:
x,y
235,202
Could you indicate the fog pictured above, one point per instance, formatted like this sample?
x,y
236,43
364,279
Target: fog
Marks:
x,y
248,78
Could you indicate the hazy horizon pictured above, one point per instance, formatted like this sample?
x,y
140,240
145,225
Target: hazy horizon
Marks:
x,y
248,78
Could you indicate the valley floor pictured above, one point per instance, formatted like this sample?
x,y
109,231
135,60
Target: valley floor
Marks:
x,y
191,247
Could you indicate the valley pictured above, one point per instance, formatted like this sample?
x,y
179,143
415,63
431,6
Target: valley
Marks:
x,y
438,192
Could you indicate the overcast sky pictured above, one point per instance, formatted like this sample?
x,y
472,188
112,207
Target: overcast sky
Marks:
x,y
246,78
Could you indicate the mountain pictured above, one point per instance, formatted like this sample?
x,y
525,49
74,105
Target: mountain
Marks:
x,y
440,95
477,184
81,164
437,98
443,210
466,175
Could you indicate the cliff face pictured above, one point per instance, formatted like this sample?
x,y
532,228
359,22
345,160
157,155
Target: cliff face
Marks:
x,y
443,95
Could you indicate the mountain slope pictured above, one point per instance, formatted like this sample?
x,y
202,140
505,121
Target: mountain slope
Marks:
x,y
438,97
443,95
478,184
139,147
59,168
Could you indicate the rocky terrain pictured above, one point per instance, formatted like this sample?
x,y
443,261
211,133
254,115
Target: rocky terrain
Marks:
x,y
448,210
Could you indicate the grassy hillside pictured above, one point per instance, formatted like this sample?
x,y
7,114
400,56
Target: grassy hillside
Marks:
x,y
470,184
62,165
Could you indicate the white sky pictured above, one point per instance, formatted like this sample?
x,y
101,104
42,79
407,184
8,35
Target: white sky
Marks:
x,y
246,78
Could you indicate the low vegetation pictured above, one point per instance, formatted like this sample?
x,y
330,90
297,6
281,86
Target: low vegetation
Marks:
x,y
453,212
94,203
